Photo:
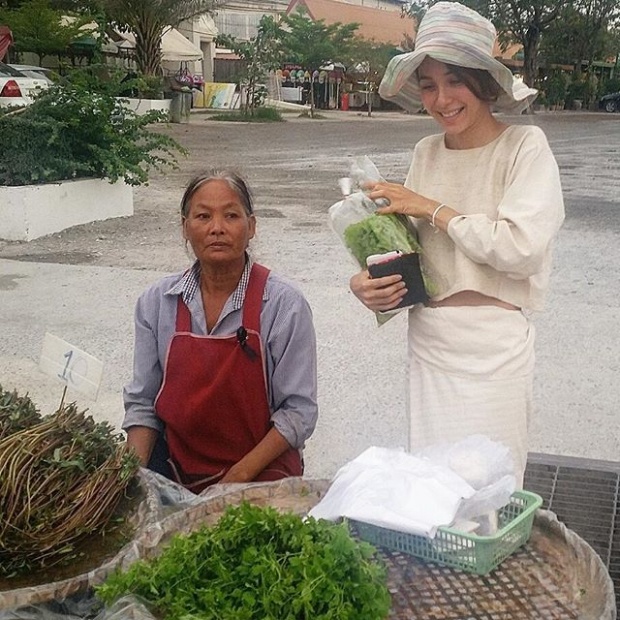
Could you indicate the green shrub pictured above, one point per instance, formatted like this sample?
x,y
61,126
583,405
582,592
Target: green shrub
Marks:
x,y
259,115
612,85
555,87
577,89
34,151
108,80
69,132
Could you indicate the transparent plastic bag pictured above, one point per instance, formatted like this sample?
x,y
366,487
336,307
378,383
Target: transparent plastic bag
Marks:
x,y
354,219
388,241
488,467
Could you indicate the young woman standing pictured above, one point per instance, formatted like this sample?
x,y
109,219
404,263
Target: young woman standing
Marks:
x,y
486,200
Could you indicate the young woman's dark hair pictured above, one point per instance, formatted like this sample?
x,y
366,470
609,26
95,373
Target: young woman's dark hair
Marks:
x,y
479,81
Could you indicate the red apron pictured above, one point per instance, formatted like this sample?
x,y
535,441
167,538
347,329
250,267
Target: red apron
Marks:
x,y
213,397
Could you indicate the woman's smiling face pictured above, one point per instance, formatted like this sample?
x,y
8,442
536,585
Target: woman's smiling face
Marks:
x,y
451,103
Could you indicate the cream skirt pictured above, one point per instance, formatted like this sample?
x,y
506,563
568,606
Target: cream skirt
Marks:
x,y
471,372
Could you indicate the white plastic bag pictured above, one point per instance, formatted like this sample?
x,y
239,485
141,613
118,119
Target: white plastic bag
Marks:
x,y
449,484
394,489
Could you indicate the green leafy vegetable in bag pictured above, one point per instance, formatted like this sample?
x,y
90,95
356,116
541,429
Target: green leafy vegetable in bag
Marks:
x,y
378,234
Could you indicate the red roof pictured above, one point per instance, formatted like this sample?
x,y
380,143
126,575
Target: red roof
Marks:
x,y
380,25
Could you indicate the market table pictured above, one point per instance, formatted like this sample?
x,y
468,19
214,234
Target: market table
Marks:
x,y
555,576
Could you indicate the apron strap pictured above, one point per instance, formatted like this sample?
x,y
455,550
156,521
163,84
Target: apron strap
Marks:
x,y
254,297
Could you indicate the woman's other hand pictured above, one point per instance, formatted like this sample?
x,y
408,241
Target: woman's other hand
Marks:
x,y
378,294
237,473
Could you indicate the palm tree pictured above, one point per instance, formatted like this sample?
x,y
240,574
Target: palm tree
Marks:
x,y
147,19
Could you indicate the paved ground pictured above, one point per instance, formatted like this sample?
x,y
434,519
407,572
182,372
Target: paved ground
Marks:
x,y
81,284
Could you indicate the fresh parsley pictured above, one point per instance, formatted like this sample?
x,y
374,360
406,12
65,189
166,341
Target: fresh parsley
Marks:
x,y
259,563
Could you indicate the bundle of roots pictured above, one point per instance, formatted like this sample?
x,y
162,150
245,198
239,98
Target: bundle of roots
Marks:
x,y
61,478
16,413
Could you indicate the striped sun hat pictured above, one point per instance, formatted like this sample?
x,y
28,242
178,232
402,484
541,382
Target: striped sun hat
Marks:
x,y
454,34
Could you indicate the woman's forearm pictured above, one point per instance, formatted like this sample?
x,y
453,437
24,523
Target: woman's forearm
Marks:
x,y
253,463
142,439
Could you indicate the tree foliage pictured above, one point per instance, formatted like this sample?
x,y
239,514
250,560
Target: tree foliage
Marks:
x,y
43,30
313,44
259,55
584,32
147,19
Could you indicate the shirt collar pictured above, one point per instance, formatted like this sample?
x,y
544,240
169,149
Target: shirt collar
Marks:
x,y
189,284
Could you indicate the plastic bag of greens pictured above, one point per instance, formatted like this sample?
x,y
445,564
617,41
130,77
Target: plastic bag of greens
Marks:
x,y
384,244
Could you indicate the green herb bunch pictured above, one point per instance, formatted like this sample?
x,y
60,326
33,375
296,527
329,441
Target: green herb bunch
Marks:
x,y
258,563
16,412
378,234
60,481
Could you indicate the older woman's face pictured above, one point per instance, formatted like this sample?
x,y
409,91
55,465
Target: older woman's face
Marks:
x,y
217,225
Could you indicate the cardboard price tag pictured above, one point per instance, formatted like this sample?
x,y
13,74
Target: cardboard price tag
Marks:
x,y
75,368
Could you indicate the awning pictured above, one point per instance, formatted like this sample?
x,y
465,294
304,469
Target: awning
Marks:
x,y
205,27
174,46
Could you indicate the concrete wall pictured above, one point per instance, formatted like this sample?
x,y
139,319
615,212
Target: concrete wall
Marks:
x,y
31,211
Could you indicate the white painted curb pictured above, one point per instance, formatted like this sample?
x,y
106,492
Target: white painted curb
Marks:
x,y
31,211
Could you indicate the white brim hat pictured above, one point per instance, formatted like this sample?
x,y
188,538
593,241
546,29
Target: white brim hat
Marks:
x,y
456,35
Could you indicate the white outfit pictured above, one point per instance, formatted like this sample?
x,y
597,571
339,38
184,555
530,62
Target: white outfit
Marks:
x,y
471,368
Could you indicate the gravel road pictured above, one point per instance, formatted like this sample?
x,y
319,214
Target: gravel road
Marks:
x,y
81,284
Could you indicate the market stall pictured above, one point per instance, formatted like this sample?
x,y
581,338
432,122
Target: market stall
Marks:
x,y
327,81
437,535
556,575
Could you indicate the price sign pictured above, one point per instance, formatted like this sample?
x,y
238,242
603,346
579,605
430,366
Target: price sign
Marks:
x,y
75,368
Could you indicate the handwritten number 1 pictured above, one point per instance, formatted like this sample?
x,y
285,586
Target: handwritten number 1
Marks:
x,y
68,355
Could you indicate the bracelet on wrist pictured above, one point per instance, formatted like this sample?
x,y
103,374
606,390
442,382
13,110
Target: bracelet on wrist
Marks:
x,y
435,212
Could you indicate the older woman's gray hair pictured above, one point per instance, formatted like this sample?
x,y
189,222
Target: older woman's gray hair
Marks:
x,y
232,178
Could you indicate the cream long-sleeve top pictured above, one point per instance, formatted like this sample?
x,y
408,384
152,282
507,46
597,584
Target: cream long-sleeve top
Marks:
x,y
509,199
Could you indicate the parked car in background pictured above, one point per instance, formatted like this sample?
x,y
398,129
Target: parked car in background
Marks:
x,y
33,71
610,103
16,88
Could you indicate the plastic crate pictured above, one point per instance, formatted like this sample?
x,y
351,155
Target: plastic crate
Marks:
x,y
469,552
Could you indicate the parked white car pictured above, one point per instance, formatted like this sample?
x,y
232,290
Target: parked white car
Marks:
x,y
16,88
35,72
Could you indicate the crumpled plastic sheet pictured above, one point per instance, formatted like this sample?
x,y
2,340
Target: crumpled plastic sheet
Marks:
x,y
445,484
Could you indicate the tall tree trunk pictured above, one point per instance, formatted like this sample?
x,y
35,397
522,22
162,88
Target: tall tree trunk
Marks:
x,y
530,55
148,46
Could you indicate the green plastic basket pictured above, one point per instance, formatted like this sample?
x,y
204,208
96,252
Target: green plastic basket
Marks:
x,y
469,552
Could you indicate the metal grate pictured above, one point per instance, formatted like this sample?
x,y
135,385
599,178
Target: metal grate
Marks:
x,y
584,494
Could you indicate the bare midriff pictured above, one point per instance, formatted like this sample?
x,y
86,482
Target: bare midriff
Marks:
x,y
471,298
